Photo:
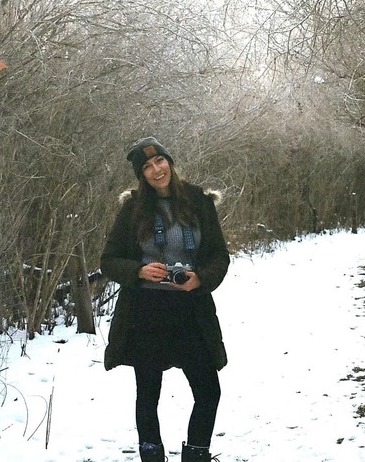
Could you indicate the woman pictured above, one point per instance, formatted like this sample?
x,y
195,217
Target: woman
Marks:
x,y
167,251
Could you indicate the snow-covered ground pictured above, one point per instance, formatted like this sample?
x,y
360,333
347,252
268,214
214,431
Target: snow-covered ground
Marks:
x,y
294,327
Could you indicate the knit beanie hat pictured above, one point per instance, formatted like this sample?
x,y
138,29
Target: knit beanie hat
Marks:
x,y
142,150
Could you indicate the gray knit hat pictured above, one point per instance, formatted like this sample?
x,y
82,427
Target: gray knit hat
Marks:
x,y
142,150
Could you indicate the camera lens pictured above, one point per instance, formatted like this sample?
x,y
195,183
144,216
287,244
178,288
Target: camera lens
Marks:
x,y
179,277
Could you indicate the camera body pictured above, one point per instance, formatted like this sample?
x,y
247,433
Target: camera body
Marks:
x,y
177,273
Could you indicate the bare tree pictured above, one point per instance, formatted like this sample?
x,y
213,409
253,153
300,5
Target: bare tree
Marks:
x,y
85,80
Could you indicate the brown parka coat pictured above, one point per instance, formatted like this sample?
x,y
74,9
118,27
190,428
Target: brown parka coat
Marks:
x,y
121,261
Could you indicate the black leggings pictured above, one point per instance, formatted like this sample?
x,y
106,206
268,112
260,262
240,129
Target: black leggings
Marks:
x,y
204,383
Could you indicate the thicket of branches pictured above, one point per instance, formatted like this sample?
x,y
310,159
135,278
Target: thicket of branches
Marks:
x,y
265,103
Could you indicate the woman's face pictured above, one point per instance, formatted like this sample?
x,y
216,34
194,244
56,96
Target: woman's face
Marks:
x,y
157,172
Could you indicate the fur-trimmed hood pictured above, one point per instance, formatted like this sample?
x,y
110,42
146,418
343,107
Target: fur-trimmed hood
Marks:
x,y
215,194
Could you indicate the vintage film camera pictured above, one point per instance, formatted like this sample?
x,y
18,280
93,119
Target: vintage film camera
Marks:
x,y
177,273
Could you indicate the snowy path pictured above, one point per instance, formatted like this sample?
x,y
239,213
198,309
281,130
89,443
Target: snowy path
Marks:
x,y
301,331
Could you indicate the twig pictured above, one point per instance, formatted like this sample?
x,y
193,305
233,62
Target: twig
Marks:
x,y
6,392
48,429
26,407
40,423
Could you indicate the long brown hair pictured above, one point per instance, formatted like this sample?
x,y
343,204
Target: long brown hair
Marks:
x,y
182,208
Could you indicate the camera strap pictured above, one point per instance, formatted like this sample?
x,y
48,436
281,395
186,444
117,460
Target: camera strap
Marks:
x,y
160,234
188,237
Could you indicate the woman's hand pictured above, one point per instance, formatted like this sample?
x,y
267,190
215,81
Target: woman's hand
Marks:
x,y
192,283
157,272
154,272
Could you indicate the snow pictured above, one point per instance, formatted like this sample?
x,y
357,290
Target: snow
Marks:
x,y
293,325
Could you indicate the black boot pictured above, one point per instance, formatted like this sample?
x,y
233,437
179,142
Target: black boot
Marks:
x,y
196,454
150,452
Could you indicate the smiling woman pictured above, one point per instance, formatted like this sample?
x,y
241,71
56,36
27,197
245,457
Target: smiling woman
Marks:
x,y
158,175
167,251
